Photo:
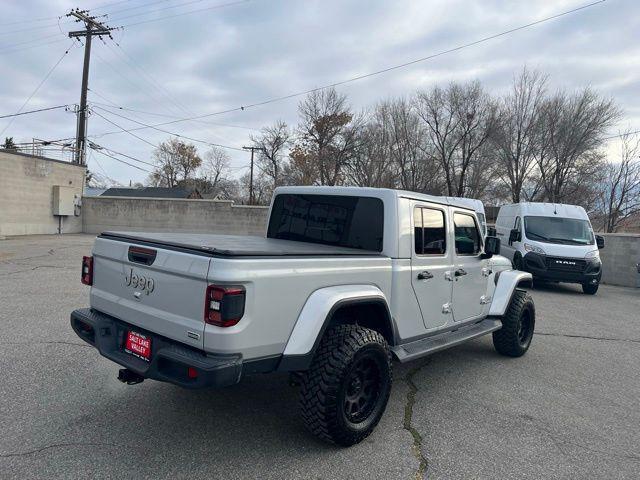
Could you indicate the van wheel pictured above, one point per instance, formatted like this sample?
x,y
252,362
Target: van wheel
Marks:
x,y
518,323
590,288
345,391
517,262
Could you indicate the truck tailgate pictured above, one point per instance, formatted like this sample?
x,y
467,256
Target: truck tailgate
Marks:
x,y
165,297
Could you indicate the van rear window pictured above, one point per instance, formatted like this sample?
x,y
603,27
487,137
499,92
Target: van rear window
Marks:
x,y
339,220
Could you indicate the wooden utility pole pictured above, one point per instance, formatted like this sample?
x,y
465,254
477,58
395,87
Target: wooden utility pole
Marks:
x,y
252,149
92,28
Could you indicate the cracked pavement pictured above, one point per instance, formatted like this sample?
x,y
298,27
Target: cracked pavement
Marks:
x,y
570,408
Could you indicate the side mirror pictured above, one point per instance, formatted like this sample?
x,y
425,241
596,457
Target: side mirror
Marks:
x,y
514,236
491,231
491,247
600,241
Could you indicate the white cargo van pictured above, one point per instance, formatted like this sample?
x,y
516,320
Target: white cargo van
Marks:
x,y
552,241
477,206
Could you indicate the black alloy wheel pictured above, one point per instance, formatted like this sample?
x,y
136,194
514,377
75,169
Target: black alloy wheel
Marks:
x,y
362,389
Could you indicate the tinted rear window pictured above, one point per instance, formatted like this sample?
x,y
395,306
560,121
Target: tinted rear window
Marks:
x,y
344,221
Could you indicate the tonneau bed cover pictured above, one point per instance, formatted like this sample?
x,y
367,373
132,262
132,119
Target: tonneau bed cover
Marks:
x,y
234,245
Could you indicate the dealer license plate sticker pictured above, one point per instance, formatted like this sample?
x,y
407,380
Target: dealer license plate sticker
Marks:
x,y
138,345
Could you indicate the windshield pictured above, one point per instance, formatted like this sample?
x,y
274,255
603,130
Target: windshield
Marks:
x,y
569,231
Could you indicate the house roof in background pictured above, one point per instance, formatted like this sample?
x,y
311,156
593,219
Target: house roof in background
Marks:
x,y
93,191
147,192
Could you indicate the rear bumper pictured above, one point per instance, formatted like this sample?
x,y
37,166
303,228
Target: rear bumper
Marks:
x,y
576,270
170,360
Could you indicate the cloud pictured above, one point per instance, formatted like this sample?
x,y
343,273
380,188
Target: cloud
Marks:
x,y
223,58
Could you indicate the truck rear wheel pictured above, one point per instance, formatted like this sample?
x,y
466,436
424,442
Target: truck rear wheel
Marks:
x,y
345,391
518,323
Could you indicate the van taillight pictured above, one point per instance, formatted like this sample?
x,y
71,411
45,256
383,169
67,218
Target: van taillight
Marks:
x,y
86,276
224,305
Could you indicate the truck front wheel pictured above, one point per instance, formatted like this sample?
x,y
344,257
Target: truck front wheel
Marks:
x,y
518,323
345,391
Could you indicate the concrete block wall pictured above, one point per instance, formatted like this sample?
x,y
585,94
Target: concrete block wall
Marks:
x,y
171,215
26,194
619,257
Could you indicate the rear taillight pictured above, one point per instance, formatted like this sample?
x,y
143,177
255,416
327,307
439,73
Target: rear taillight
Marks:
x,y
86,276
224,305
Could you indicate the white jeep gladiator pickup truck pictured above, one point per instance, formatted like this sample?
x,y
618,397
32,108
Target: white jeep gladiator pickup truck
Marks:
x,y
345,281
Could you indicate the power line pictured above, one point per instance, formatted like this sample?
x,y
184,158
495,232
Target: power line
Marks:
x,y
34,111
55,21
38,45
149,12
122,161
166,131
109,4
129,60
36,89
27,42
135,84
123,129
156,114
214,7
379,72
17,22
145,5
620,135
113,152
104,172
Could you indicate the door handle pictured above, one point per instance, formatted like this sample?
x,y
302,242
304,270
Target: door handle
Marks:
x,y
460,272
425,275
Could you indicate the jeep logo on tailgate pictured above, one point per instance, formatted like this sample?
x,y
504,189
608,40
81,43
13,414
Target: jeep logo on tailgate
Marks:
x,y
146,284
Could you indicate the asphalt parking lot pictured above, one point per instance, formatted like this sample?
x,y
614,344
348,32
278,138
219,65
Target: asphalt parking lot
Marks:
x,y
570,408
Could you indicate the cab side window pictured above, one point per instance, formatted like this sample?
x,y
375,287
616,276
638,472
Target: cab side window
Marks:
x,y
429,231
467,234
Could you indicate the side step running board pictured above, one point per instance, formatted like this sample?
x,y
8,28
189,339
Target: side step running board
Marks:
x,y
429,345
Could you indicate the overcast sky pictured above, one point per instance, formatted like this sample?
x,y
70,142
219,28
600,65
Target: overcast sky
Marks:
x,y
245,52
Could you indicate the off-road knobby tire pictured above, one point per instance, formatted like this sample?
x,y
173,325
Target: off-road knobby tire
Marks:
x,y
507,341
590,288
324,385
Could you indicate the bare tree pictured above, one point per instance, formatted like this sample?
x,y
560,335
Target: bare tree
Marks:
x,y
441,124
619,192
176,162
215,175
408,147
481,174
459,121
272,141
517,134
262,189
573,129
370,165
477,118
328,132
